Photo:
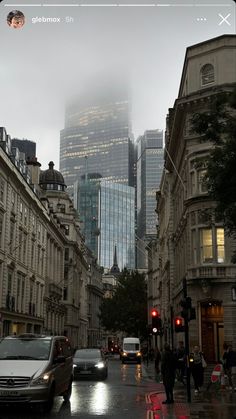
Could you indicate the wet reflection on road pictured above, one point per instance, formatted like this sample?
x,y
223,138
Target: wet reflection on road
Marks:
x,y
127,369
138,374
99,402
124,370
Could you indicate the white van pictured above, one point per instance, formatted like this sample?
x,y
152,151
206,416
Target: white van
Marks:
x,y
35,369
131,350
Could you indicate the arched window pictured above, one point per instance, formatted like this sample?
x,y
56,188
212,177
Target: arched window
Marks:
x,y
207,74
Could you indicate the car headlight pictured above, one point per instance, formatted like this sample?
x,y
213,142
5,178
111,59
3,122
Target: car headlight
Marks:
x,y
124,354
41,380
138,353
75,365
100,365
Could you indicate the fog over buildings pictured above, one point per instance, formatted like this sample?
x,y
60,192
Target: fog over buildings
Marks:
x,y
44,65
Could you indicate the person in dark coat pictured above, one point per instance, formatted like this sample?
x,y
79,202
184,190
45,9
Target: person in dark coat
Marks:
x,y
229,358
168,366
197,368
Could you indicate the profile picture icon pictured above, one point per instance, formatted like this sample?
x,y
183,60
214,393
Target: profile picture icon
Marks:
x,y
16,19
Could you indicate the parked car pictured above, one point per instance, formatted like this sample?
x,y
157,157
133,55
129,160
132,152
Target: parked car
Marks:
x,y
90,362
35,369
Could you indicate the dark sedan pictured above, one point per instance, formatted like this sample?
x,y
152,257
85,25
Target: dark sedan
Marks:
x,y
90,362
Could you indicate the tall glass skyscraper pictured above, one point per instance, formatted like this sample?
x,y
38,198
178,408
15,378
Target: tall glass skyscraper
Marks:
x,y
107,213
97,137
87,202
150,160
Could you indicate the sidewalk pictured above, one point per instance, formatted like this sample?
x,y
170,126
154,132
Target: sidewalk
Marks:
x,y
208,404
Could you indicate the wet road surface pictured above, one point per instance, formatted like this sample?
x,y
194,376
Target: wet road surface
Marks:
x,y
131,392
121,395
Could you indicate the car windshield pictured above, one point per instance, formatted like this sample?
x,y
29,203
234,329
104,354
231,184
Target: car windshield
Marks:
x,y
28,349
90,354
131,346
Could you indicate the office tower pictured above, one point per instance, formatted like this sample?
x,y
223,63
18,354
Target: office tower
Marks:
x,y
97,137
87,192
150,157
107,213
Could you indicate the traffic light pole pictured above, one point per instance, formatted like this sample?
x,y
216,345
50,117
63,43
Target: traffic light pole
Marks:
x,y
171,326
155,342
186,333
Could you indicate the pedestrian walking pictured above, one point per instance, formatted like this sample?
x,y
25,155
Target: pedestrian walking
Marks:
x,y
224,356
180,361
168,366
197,369
229,358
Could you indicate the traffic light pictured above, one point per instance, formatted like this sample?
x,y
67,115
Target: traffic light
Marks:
x,y
179,327
154,313
188,312
156,323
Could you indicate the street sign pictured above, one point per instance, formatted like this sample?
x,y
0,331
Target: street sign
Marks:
x,y
216,373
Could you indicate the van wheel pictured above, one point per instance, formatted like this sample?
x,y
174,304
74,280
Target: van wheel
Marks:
x,y
67,394
49,403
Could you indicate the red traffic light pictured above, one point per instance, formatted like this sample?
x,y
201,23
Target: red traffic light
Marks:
x,y
155,313
179,327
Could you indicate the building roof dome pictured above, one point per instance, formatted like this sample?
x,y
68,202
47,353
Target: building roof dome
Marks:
x,y
51,179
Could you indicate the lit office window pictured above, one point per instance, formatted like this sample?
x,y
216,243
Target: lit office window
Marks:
x,y
220,245
206,245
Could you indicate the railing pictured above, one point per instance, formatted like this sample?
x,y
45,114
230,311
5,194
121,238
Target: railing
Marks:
x,y
211,272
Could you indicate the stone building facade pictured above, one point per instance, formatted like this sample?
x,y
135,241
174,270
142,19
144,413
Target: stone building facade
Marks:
x,y
46,281
75,276
192,243
95,296
31,258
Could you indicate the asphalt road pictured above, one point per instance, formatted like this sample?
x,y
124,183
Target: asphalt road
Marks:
x,y
121,395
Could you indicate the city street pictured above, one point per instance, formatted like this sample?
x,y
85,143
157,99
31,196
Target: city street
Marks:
x,y
121,395
131,392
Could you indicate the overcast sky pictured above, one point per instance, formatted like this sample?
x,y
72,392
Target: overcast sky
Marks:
x,y
43,64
